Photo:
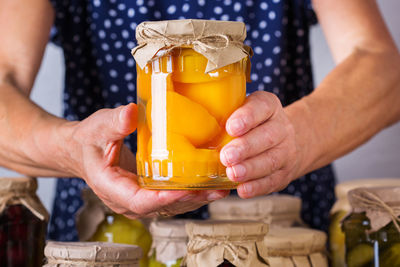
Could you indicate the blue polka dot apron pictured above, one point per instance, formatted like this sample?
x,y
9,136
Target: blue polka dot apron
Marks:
x,y
97,35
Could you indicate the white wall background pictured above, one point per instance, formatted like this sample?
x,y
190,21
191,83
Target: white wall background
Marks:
x,y
380,157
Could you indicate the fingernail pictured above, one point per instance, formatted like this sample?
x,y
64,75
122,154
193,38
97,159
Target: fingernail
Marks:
x,y
238,171
231,155
248,189
213,196
236,126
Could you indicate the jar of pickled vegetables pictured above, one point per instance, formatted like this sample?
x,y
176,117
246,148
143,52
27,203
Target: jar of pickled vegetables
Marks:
x,y
23,223
97,222
169,243
226,243
296,247
276,210
91,254
191,76
372,230
341,208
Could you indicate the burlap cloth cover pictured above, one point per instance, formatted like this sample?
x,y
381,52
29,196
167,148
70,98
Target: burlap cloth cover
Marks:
x,y
221,42
296,247
169,240
22,190
66,254
276,210
90,215
380,204
239,242
342,189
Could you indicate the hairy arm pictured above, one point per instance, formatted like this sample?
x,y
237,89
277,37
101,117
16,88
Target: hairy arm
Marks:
x,y
360,96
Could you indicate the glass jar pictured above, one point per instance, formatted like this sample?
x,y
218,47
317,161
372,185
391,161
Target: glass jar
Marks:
x,y
278,210
226,243
371,239
23,223
296,247
91,254
186,91
96,222
169,243
341,208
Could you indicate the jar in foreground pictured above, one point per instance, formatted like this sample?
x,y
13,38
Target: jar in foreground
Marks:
x,y
276,210
23,223
97,222
226,243
91,254
169,243
296,247
191,76
372,230
340,210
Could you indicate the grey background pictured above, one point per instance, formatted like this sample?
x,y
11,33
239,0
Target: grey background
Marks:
x,y
380,157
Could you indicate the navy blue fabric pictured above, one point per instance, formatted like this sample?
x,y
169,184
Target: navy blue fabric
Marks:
x,y
97,35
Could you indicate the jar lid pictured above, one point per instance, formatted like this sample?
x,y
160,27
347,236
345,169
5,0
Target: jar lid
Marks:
x,y
221,42
294,241
342,189
22,191
271,209
18,184
239,242
91,252
380,204
228,230
169,228
169,240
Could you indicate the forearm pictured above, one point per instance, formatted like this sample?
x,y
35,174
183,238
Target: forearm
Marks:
x,y
32,141
357,99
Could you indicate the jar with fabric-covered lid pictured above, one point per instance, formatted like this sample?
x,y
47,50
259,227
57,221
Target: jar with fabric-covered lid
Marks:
x,y
372,230
296,247
276,210
91,254
96,222
191,76
169,243
226,243
23,223
341,208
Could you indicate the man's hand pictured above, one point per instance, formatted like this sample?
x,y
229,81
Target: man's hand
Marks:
x,y
109,167
264,156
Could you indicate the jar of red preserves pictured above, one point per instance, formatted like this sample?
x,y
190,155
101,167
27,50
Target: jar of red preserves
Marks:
x,y
23,222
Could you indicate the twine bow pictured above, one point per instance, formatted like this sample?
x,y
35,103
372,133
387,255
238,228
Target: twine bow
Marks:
x,y
368,201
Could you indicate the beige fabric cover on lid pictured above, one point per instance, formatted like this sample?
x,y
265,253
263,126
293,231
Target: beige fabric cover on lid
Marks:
x,y
169,240
221,42
296,247
63,254
342,189
380,204
239,242
90,215
275,210
22,190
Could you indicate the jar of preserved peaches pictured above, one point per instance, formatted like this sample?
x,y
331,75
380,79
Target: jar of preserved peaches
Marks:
x,y
23,223
91,254
341,208
226,243
372,230
191,76
96,222
169,243
276,210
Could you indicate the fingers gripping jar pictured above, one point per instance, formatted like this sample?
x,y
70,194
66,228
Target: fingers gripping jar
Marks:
x,y
191,76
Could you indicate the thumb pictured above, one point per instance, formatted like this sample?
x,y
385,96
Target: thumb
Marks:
x,y
116,124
